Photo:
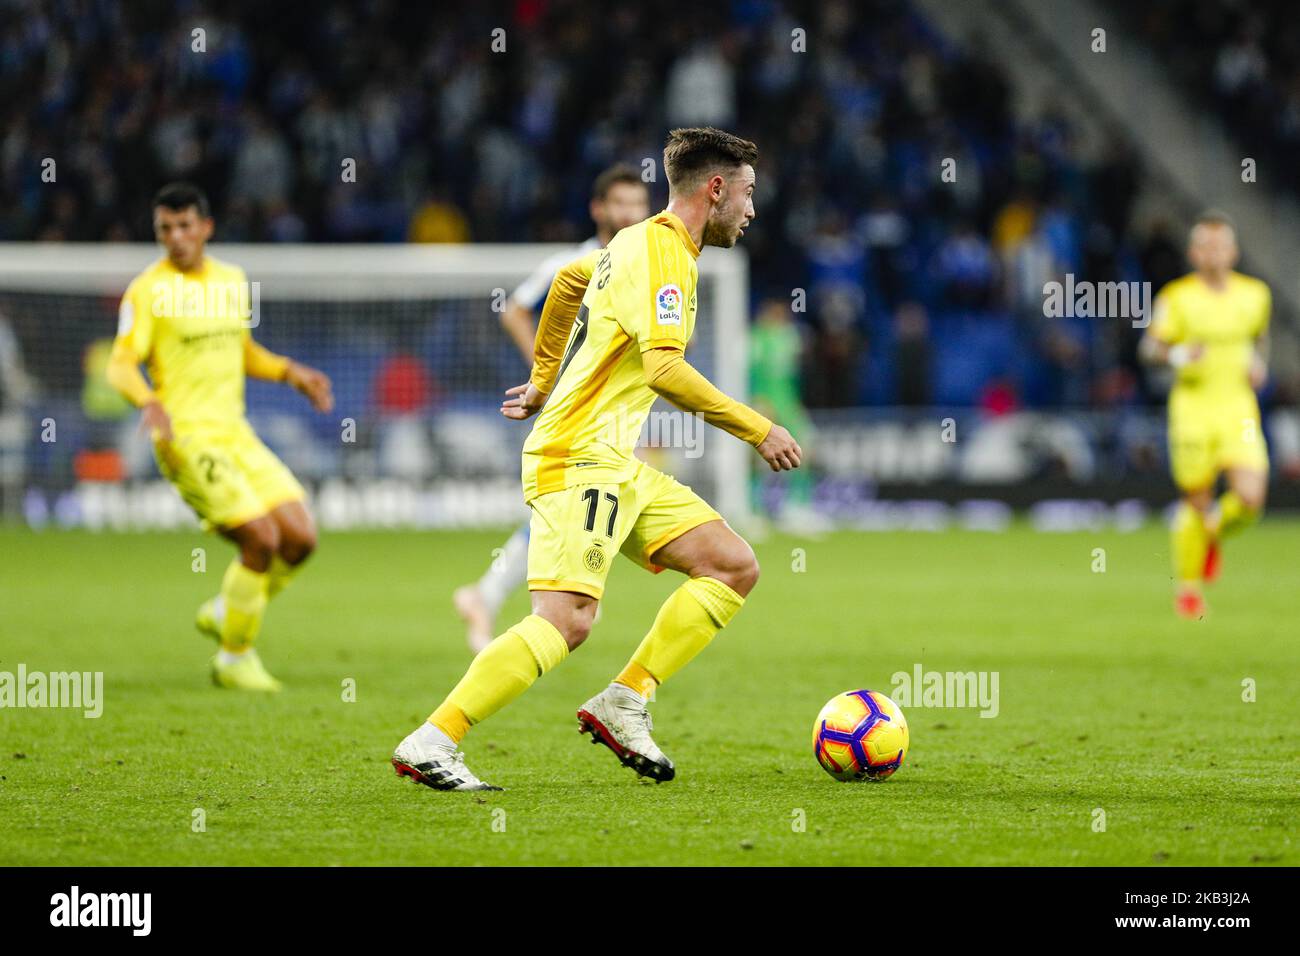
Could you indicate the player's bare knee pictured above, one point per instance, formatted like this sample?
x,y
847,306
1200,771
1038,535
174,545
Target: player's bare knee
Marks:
x,y
258,543
735,566
745,574
575,625
571,614
297,547
579,630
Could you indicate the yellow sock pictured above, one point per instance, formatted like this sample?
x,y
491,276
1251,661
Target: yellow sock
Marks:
x,y
685,624
451,720
244,592
638,678
279,575
501,672
1188,542
1234,516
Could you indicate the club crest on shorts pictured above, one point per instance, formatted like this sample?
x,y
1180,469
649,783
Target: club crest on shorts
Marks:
x,y
594,559
668,305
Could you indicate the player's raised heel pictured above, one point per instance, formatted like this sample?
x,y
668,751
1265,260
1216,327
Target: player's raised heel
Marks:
x,y
207,620
660,770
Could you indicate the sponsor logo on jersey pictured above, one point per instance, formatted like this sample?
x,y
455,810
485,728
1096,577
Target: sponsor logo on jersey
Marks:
x,y
668,305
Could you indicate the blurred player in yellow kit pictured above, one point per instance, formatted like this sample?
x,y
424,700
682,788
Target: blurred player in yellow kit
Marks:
x,y
1211,327
611,339
187,317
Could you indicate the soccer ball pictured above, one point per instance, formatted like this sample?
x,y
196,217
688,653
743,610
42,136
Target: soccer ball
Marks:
x,y
860,735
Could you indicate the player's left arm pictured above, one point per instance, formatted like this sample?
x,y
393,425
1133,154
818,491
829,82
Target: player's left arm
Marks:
x,y
1164,342
261,362
553,328
1259,361
670,376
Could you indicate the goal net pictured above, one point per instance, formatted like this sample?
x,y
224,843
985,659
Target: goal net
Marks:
x,y
410,336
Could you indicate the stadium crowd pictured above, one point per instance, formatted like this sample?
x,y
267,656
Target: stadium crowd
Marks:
x,y
1240,60
919,291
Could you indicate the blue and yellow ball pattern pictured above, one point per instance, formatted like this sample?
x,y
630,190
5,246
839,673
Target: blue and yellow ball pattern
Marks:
x,y
860,735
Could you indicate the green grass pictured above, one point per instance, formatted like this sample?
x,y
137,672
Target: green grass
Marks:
x,y
1107,701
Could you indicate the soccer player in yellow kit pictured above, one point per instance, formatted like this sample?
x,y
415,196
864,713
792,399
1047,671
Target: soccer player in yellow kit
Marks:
x,y
610,340
619,198
187,317
1211,326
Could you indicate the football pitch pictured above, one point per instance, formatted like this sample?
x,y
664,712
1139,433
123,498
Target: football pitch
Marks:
x,y
1122,735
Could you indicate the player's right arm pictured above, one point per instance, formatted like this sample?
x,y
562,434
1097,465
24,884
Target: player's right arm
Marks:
x,y
1164,343
132,346
517,318
553,328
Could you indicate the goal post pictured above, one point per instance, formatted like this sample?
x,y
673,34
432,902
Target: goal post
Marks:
x,y
412,338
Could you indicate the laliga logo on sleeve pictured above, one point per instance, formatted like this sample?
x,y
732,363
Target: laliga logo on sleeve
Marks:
x,y
668,305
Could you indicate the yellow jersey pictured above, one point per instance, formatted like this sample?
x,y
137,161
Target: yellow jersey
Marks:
x,y
641,296
1226,323
189,328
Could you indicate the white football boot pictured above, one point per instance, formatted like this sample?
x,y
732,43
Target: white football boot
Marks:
x,y
617,718
436,766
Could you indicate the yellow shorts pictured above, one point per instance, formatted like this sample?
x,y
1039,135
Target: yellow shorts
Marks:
x,y
226,475
575,533
1208,437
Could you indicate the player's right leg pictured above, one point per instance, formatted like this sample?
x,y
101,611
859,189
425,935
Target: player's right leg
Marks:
x,y
1189,544
502,671
241,605
204,468
479,603
568,564
1193,463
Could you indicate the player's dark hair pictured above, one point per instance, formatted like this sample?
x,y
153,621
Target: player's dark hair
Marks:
x,y
693,153
615,175
179,196
1215,217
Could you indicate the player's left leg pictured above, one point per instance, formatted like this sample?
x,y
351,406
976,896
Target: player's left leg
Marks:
x,y
721,570
1241,505
1235,510
1244,458
279,542
676,529
297,542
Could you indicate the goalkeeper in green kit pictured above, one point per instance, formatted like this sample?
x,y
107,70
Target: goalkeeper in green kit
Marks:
x,y
775,349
